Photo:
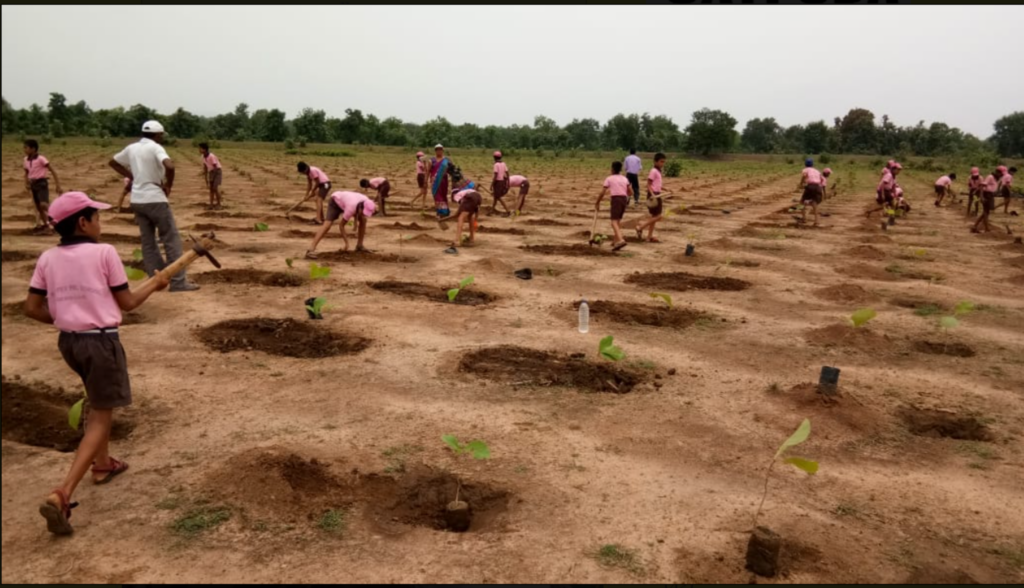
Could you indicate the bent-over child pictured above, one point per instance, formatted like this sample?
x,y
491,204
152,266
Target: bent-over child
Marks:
x,y
813,192
318,185
383,188
522,184
943,187
989,187
345,206
469,202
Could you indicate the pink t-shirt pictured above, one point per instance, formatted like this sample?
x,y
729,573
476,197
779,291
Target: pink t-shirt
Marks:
x,y
812,176
887,183
974,182
420,168
77,281
500,171
36,167
655,179
461,194
991,184
516,181
348,202
898,192
376,182
1006,180
943,182
318,176
617,185
211,162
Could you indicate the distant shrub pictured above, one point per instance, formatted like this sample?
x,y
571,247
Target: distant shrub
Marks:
x,y
302,142
47,139
673,168
825,159
790,161
331,153
877,163
289,145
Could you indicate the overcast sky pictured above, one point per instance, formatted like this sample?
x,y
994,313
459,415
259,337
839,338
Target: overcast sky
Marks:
x,y
503,65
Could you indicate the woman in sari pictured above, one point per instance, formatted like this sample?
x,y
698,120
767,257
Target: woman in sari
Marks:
x,y
439,167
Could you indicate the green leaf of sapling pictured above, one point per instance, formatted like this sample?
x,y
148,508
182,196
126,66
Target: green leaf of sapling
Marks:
x,y
137,255
135,274
452,442
466,282
479,449
665,297
948,322
807,465
798,437
75,414
452,294
963,308
862,316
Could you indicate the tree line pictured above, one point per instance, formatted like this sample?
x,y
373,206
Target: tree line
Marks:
x,y
708,132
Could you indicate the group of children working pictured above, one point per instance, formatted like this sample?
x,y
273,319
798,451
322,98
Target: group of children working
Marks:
x,y
620,189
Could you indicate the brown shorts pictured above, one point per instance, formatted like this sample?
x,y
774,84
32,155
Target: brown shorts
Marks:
x,y
883,197
988,201
384,189
655,205
812,193
500,188
470,203
216,177
334,211
41,191
324,189
100,361
619,206
524,188
1004,192
940,190
421,180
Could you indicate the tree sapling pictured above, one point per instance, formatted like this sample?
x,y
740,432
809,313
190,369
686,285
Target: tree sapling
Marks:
x,y
764,544
609,351
261,227
135,274
458,514
665,297
314,305
454,292
75,413
862,317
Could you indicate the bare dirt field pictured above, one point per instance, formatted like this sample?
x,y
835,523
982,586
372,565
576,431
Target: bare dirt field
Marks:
x,y
266,447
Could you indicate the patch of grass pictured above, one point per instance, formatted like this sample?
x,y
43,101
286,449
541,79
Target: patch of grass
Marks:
x,y
260,526
973,448
894,268
1015,555
774,388
927,310
846,510
200,520
617,556
332,521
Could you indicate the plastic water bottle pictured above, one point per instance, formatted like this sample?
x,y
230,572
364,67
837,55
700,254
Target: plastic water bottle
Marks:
x,y
584,316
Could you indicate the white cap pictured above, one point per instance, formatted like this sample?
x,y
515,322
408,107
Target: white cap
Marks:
x,y
439,146
152,126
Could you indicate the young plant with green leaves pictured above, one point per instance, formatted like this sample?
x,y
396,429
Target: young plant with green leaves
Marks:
x,y
289,262
319,306
948,323
664,297
261,227
137,254
609,351
454,292
809,466
135,274
317,272
75,413
862,317
478,449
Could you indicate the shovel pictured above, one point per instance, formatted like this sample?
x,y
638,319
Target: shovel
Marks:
x,y
593,228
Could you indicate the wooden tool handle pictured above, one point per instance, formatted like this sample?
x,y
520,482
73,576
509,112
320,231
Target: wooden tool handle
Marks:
x,y
182,262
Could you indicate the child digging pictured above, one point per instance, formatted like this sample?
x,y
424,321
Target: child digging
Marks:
x,y
38,185
383,188
618,186
655,205
499,184
421,180
811,183
81,288
988,199
942,187
346,206
469,202
317,185
523,185
1005,183
973,191
886,187
213,173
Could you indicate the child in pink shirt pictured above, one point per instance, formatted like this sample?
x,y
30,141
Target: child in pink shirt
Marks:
x,y
317,185
421,179
1005,183
523,185
655,204
36,168
81,288
988,198
345,206
214,175
973,190
813,188
499,184
383,188
619,188
942,187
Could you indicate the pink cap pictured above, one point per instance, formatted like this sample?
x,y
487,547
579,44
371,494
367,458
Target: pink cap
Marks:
x,y
419,154
497,153
975,171
72,202
892,163
1002,169
827,171
369,208
896,165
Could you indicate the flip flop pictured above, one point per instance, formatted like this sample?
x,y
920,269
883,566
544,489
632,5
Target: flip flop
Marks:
x,y
116,469
654,240
619,246
58,515
311,255
452,251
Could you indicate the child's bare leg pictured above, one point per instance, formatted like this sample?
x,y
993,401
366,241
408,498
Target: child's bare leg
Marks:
x,y
458,229
320,233
617,231
362,232
815,208
651,224
472,227
320,210
97,435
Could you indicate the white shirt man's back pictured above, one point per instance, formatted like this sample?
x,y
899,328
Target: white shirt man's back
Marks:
x,y
145,159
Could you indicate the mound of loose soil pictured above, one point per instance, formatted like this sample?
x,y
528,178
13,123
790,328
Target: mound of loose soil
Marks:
x,y
36,414
723,243
493,264
14,256
226,214
846,294
27,232
500,231
114,238
862,271
935,423
135,318
952,349
865,252
284,337
1017,262
409,227
851,337
364,257
251,277
580,250
424,238
1017,280
545,222
467,297
540,368
21,218
915,303
681,282
278,485
877,239
419,498
640,314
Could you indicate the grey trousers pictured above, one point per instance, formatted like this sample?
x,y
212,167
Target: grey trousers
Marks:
x,y
157,218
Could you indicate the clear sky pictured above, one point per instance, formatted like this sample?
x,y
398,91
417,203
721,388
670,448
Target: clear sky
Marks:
x,y
503,65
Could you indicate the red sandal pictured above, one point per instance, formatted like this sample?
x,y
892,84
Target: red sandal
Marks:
x,y
115,469
58,515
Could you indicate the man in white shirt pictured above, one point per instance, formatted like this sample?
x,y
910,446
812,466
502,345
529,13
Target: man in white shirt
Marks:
x,y
633,168
152,174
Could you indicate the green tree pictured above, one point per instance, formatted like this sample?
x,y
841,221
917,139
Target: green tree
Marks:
x,y
80,119
392,132
584,134
659,133
437,130
761,135
622,132
183,124
1009,135
711,131
858,133
135,117
792,140
57,109
274,126
9,118
816,137
34,121
311,125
